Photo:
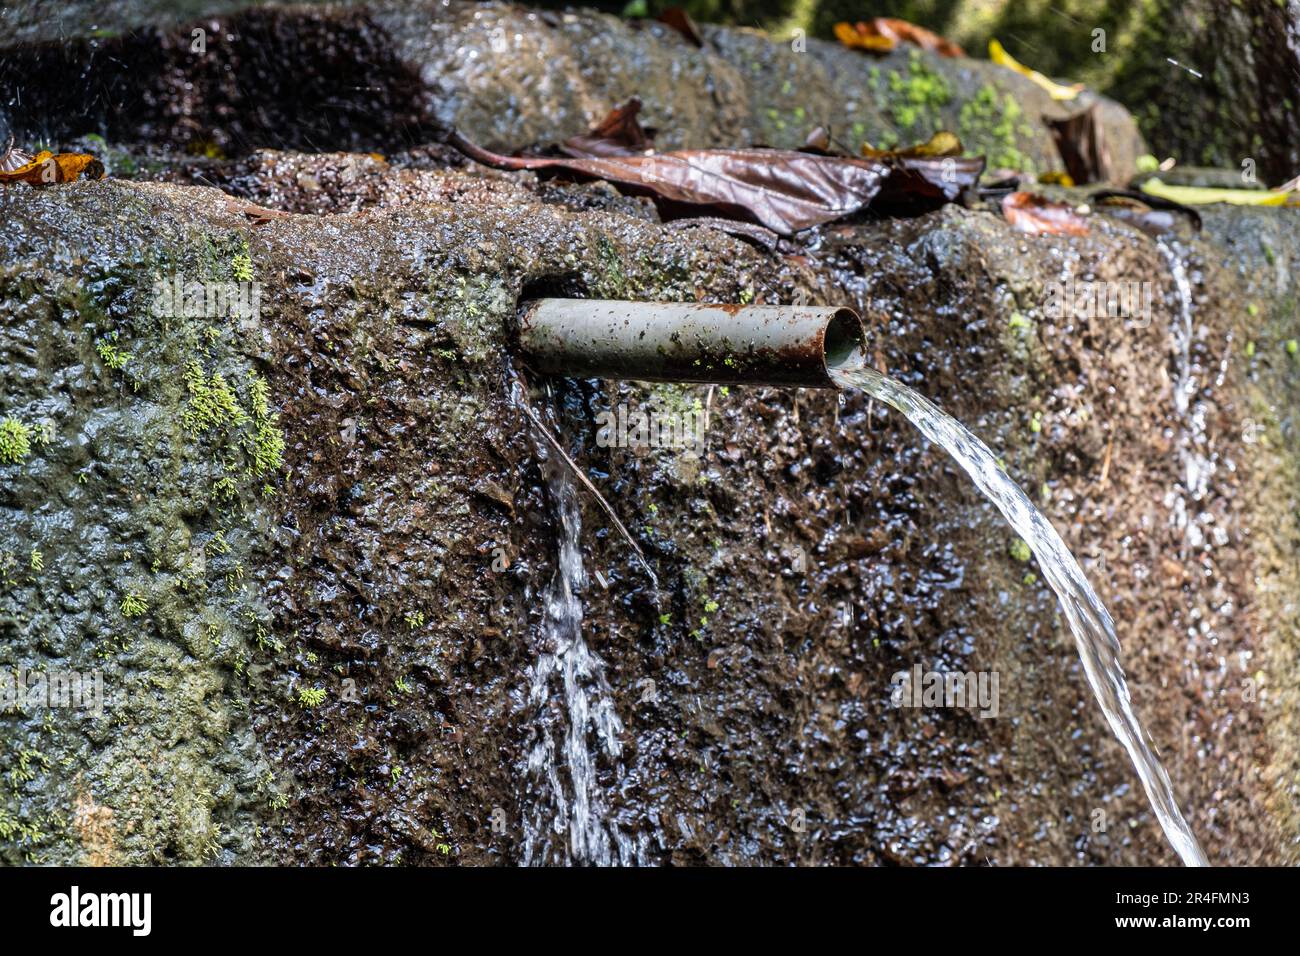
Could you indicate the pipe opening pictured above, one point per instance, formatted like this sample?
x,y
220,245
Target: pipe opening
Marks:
x,y
844,340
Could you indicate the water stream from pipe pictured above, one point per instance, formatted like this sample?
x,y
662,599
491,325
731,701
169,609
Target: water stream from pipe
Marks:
x,y
1090,622
572,707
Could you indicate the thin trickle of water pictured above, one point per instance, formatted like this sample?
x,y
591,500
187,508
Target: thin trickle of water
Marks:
x,y
567,798
1193,444
1090,622
1183,331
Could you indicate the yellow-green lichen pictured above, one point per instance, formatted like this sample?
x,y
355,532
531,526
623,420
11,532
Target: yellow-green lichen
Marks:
x,y
211,401
15,441
213,404
995,122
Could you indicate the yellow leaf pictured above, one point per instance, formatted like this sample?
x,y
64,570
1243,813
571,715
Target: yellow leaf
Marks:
x,y
46,168
941,144
1203,195
860,38
1055,178
1055,90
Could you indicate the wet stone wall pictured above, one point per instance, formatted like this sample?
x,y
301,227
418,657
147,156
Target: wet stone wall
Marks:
x,y
322,560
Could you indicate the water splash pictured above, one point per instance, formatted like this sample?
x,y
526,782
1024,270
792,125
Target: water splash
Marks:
x,y
1090,622
567,798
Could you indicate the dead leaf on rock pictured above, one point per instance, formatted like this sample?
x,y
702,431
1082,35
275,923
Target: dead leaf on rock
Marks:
x,y
1081,141
260,214
926,175
783,190
942,143
999,55
902,31
861,36
46,168
618,134
882,34
681,21
1039,216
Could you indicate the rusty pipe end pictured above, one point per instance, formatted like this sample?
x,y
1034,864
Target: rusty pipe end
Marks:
x,y
784,345
844,341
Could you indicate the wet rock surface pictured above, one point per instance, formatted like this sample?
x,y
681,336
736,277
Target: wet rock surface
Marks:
x,y
334,654
367,76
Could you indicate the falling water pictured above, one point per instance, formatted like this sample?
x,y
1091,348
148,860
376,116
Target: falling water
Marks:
x,y
1197,465
561,764
1094,632
1183,331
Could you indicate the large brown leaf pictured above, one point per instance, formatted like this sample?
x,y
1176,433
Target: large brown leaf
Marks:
x,y
926,175
784,190
916,185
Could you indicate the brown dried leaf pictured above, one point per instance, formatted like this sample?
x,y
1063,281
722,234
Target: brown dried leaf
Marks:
x,y
1038,216
901,31
926,175
259,214
618,134
882,34
1082,144
681,21
917,185
784,190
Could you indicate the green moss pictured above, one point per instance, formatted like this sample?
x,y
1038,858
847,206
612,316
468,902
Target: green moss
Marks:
x,y
211,402
133,605
113,358
15,441
1020,550
996,122
242,267
265,442
917,96
309,697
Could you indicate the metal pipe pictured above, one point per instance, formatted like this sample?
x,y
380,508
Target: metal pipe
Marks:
x,y
790,345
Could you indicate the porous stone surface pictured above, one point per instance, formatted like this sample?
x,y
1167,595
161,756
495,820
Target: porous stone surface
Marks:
x,y
324,651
